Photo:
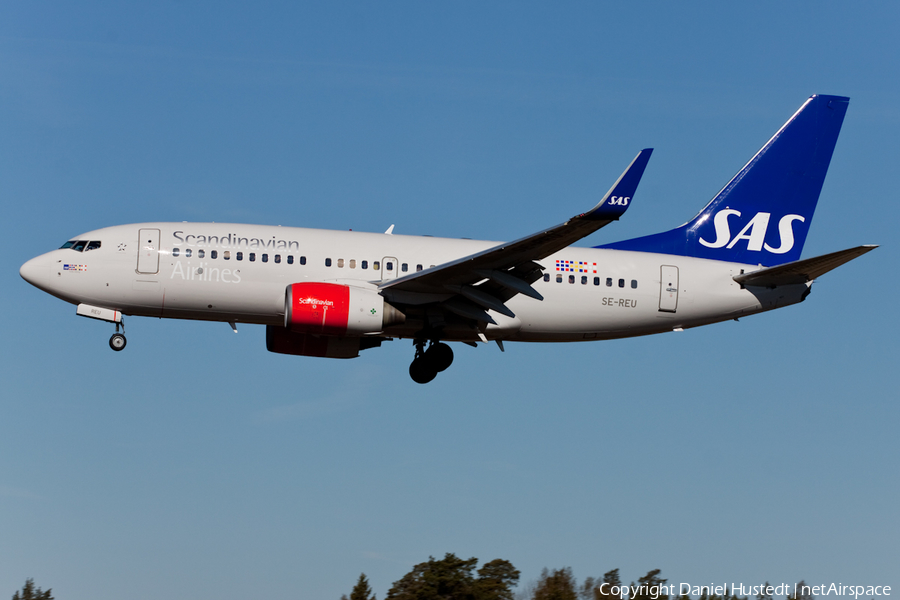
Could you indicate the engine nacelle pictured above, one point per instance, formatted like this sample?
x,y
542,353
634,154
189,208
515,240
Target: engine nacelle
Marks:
x,y
336,309
284,341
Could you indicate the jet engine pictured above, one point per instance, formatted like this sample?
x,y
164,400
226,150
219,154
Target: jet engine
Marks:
x,y
285,341
336,309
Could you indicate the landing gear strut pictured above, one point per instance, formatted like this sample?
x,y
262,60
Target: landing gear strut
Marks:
x,y
117,341
428,363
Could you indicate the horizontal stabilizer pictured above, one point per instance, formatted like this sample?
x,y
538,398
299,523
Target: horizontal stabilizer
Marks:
x,y
801,271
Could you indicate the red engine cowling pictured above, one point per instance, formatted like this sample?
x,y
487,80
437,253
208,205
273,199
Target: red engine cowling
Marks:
x,y
336,309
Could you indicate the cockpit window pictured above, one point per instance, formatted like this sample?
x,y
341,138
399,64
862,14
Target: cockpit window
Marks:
x,y
80,245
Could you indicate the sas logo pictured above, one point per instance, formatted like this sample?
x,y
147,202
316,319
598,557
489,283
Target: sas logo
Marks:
x,y
619,200
754,232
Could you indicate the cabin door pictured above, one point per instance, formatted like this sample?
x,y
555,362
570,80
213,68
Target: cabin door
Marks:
x,y
148,251
668,288
389,268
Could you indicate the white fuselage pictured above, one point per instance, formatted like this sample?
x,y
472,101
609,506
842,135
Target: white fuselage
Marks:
x,y
238,273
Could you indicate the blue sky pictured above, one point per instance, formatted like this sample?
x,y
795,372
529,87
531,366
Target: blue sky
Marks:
x,y
196,464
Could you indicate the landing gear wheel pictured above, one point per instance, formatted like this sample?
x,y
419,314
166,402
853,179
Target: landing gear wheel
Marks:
x,y
428,363
440,356
117,342
422,371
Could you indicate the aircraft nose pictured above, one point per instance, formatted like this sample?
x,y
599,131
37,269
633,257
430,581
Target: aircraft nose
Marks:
x,y
36,272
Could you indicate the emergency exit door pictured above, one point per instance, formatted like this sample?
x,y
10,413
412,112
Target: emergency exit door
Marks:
x,y
148,251
389,268
668,288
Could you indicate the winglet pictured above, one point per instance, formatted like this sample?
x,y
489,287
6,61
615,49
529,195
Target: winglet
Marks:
x,y
617,199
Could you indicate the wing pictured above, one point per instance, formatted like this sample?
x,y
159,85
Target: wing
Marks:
x,y
509,269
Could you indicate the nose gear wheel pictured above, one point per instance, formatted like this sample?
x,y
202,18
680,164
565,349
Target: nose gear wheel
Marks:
x,y
117,342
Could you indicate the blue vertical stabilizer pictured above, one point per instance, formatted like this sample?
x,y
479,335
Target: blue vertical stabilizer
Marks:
x,y
763,215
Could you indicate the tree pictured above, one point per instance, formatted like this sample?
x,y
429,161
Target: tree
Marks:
x,y
558,585
589,589
361,591
612,580
496,580
452,578
648,587
29,592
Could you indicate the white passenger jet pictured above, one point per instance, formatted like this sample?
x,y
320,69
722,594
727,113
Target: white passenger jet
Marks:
x,y
334,293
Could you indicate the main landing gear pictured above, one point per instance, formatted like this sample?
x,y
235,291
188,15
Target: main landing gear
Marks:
x,y
428,363
117,341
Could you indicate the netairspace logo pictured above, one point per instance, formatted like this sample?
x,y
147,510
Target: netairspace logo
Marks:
x,y
739,589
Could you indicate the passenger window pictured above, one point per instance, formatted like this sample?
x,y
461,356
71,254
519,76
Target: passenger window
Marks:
x,y
376,265
571,279
340,263
546,276
213,253
609,282
418,267
596,281
559,278
404,267
584,280
621,283
226,255
327,262
265,258
201,253
175,251
364,264
389,266
634,284
277,258
253,257
187,252
239,255
92,246
352,263
290,259
302,260
79,245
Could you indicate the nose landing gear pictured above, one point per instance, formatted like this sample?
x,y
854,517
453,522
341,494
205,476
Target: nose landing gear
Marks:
x,y
117,341
428,363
